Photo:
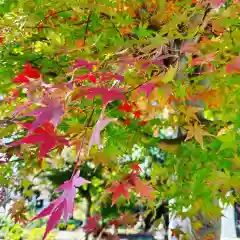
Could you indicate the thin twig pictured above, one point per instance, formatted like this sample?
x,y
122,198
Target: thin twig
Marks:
x,y
113,24
86,30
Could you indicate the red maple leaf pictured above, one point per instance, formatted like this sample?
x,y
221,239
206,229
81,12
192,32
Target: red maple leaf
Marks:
x,y
108,95
137,114
135,167
125,107
117,189
28,72
92,225
45,136
20,78
89,76
31,72
127,122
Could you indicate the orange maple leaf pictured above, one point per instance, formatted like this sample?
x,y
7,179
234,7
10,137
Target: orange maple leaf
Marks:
x,y
79,43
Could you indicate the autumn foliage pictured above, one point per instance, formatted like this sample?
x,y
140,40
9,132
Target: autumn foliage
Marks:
x,y
99,77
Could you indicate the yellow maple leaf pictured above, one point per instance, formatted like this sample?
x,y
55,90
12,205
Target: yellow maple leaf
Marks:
x,y
169,76
197,132
190,112
236,162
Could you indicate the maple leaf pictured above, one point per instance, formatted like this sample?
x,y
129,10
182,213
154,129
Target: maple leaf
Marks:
x,y
136,167
234,65
105,76
62,205
203,59
137,114
125,219
89,76
108,95
127,122
190,112
92,225
51,111
197,132
18,211
117,189
211,97
28,72
45,136
125,107
143,189
217,3
139,185
79,63
189,48
147,88
229,140
78,92
101,123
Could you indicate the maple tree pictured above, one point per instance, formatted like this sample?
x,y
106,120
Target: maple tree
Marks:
x,y
97,77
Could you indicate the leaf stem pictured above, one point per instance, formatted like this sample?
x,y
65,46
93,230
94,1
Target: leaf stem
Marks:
x,y
82,143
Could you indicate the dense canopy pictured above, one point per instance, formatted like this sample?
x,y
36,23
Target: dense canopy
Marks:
x,y
83,83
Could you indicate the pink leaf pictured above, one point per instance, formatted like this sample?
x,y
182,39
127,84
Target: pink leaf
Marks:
x,y
83,63
51,112
147,88
108,95
217,3
69,192
45,212
101,124
62,205
54,218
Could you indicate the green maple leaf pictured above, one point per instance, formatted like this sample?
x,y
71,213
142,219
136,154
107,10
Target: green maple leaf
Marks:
x,y
228,141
